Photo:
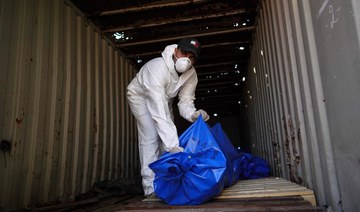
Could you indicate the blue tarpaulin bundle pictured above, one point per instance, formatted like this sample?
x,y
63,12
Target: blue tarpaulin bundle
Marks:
x,y
208,164
253,167
195,175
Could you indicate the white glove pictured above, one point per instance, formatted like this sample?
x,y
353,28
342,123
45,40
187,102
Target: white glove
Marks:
x,y
176,149
201,112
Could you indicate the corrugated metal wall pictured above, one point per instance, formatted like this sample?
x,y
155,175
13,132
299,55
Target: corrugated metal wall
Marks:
x,y
303,94
62,105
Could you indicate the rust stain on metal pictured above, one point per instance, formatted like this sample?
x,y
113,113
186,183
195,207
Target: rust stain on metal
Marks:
x,y
292,136
290,149
298,159
18,120
95,126
276,152
299,135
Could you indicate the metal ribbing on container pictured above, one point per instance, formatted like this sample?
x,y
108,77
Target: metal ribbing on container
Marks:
x,y
323,125
279,57
269,54
273,74
63,105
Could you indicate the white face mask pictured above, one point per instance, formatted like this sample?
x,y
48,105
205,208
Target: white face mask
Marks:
x,y
182,64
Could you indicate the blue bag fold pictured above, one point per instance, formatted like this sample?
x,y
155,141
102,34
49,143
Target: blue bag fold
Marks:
x,y
232,155
194,176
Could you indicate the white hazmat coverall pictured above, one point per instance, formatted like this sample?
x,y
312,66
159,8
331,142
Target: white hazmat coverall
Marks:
x,y
150,96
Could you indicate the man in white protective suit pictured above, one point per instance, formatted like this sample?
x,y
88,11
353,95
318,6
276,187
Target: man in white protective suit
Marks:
x,y
150,96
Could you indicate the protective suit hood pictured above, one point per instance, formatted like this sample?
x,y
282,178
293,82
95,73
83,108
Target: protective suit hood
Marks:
x,y
167,55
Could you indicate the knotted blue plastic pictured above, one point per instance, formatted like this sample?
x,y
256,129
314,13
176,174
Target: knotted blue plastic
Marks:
x,y
208,164
194,176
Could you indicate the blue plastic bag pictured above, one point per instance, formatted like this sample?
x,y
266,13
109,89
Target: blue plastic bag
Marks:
x,y
208,164
194,176
232,156
253,167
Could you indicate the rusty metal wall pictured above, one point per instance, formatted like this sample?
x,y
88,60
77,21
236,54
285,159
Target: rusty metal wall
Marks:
x,y
62,105
303,96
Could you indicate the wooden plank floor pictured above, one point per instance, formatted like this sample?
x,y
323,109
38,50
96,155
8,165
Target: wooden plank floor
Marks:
x,y
267,194
267,187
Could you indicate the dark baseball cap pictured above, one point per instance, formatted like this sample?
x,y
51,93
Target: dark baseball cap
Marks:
x,y
190,45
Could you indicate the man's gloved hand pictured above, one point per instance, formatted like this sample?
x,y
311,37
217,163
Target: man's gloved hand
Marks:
x,y
176,149
197,113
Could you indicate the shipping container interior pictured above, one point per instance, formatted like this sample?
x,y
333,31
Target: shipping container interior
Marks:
x,y
282,77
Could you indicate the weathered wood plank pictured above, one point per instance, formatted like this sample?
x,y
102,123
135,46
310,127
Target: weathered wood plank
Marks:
x,y
267,187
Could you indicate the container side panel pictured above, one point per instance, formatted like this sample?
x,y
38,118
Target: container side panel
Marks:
x,y
336,39
304,64
62,105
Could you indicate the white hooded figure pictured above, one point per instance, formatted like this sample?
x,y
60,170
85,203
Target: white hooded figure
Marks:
x,y
150,96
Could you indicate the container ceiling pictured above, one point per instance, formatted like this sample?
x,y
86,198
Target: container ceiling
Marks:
x,y
142,28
